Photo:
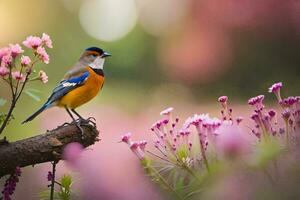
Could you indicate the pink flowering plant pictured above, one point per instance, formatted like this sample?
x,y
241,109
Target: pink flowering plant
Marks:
x,y
17,69
184,156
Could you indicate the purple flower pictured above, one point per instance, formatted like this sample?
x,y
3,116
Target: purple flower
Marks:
x,y
126,138
223,99
275,87
11,183
49,176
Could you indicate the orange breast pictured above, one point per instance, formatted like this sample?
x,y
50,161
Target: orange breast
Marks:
x,y
84,93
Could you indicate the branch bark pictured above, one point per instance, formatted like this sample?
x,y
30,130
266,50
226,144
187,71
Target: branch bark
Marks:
x,y
45,147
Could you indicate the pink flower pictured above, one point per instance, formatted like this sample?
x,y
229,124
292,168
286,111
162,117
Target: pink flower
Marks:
x,y
3,71
137,150
25,60
275,87
47,40
4,51
43,54
15,49
167,111
256,100
72,152
18,76
231,141
126,138
223,99
32,42
6,60
43,76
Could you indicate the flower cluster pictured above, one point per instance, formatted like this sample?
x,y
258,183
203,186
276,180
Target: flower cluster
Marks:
x,y
137,147
10,184
9,55
266,122
201,141
174,143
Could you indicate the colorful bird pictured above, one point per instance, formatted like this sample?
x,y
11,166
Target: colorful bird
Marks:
x,y
79,85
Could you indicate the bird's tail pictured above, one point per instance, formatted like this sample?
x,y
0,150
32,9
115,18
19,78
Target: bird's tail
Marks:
x,y
45,106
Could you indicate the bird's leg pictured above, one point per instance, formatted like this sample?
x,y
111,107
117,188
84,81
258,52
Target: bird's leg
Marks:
x,y
76,113
67,109
74,120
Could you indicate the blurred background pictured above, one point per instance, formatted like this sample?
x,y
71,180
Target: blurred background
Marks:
x,y
176,53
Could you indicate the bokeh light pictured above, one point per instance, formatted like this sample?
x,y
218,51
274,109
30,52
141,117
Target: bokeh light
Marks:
x,y
99,22
157,17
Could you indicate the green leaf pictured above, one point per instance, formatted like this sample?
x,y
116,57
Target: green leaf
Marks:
x,y
32,95
2,102
66,181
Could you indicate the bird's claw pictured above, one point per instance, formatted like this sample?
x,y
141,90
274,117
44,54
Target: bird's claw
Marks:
x,y
78,124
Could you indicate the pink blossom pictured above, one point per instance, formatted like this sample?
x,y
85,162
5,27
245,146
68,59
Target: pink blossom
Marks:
x,y
136,149
43,76
4,51
47,40
15,49
142,145
223,99
17,75
43,54
231,141
32,42
275,87
72,152
256,100
126,138
25,60
6,60
3,71
167,111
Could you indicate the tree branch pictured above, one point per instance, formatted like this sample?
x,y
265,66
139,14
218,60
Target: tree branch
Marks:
x,y
45,147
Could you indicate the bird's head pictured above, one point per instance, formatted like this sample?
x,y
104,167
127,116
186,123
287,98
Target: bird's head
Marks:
x,y
94,57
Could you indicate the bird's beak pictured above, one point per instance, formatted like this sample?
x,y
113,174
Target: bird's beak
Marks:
x,y
105,54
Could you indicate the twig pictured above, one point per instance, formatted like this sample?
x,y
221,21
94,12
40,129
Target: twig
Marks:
x,y
53,180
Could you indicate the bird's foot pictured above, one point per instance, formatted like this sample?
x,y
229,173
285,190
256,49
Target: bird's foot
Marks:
x,y
90,120
78,124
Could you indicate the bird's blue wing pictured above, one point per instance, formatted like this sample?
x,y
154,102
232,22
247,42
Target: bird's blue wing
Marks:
x,y
66,86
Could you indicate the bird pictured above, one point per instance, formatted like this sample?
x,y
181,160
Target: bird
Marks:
x,y
79,85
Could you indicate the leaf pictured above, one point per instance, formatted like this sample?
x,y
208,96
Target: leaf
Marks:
x,y
66,181
2,102
32,95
